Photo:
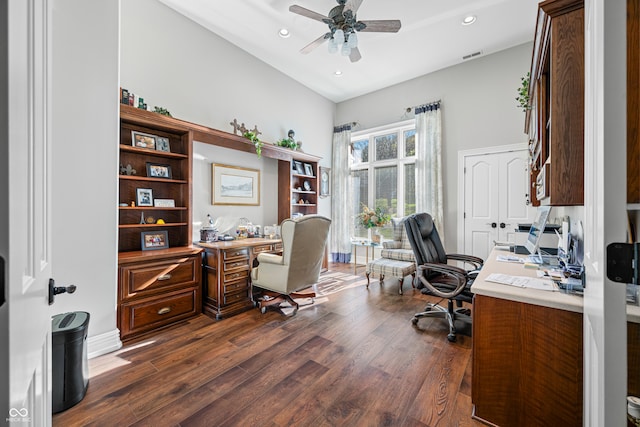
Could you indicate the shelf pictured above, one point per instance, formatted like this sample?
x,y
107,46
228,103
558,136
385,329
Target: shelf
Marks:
x,y
304,191
303,204
149,152
149,179
303,176
173,224
150,208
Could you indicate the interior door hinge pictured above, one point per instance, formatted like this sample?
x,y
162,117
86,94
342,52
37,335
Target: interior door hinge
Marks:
x,y
622,262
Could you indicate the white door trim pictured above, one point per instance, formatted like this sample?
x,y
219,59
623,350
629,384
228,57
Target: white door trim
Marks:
x,y
462,155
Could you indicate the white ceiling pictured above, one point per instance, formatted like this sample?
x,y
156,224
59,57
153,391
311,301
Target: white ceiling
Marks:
x,y
431,38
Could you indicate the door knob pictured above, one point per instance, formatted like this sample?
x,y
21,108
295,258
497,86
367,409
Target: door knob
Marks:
x,y
503,225
492,224
56,290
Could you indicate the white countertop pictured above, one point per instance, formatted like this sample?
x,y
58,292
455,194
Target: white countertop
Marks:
x,y
559,299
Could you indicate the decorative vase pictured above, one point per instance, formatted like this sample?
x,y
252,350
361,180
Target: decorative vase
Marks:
x,y
374,235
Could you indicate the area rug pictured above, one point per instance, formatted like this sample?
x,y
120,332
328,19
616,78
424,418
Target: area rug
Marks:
x,y
330,282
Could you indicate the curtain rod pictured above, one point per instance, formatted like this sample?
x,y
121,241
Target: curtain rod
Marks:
x,y
428,104
350,124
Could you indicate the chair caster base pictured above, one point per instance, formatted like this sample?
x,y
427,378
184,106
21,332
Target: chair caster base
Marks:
x,y
414,321
451,337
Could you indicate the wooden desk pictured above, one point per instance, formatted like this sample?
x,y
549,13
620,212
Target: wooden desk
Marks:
x,y
226,270
527,352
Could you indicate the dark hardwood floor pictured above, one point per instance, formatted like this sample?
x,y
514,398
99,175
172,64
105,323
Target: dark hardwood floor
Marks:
x,y
355,360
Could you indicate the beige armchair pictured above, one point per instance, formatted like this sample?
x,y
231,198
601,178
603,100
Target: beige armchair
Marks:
x,y
280,276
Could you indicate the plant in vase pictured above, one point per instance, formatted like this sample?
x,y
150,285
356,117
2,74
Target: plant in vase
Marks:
x,y
372,219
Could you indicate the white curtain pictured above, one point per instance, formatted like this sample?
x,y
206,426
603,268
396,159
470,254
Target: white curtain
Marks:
x,y
341,209
429,197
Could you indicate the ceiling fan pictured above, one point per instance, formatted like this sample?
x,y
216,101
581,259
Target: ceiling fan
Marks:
x,y
343,26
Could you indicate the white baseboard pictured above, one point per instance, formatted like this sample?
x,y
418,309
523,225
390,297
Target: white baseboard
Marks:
x,y
103,343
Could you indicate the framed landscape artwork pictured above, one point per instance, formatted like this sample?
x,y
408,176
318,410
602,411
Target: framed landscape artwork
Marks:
x,y
234,185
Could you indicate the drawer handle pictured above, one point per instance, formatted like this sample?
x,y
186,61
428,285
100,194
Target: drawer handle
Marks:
x,y
164,277
164,310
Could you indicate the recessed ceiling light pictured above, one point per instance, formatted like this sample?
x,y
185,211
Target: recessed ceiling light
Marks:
x,y
337,73
468,20
284,33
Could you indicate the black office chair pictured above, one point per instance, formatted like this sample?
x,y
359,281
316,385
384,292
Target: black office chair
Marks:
x,y
436,276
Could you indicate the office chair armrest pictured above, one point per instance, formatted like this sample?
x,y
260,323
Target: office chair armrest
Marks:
x,y
454,272
470,259
270,258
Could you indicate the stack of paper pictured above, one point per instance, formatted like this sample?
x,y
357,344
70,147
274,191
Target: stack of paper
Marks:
x,y
522,282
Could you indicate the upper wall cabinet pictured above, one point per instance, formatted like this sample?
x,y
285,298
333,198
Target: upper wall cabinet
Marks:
x,y
555,123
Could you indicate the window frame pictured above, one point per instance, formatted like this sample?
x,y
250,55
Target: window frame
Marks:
x,y
398,128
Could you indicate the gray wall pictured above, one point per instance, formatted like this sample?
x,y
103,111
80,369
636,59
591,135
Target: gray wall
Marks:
x,y
175,63
478,110
85,158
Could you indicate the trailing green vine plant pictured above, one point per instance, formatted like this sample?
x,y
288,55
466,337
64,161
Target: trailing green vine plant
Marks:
x,y
288,143
523,93
251,136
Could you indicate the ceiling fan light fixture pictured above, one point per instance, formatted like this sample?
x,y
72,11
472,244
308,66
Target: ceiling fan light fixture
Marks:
x,y
346,50
468,20
284,33
352,41
339,36
333,46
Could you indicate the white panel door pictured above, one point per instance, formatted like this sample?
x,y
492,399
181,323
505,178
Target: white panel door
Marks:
x,y
495,199
28,253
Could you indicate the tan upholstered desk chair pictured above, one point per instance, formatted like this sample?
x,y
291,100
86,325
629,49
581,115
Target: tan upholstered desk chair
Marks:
x,y
303,243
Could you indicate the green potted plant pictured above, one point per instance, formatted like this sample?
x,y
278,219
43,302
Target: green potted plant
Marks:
x,y
523,93
251,136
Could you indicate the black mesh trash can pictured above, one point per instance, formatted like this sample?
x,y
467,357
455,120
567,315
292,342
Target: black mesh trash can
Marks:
x,y
69,358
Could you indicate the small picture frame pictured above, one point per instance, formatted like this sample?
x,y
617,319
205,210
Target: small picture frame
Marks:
x,y
154,240
164,203
155,170
144,197
299,167
143,140
162,144
308,169
307,185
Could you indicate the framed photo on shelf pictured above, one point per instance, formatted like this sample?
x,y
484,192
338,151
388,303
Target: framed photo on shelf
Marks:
x,y
307,185
164,203
153,240
234,185
143,140
299,168
155,170
162,144
325,181
144,197
308,169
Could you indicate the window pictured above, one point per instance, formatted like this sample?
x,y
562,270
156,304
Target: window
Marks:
x,y
383,172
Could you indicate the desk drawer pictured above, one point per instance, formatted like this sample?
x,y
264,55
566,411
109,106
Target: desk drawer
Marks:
x,y
150,278
151,313
236,275
235,253
236,286
241,264
235,297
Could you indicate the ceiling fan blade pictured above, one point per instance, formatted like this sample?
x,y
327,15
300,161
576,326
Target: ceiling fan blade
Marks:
x,y
308,13
355,56
352,5
382,26
314,44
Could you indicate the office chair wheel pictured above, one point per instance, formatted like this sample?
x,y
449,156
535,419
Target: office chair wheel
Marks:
x,y
263,310
451,337
414,320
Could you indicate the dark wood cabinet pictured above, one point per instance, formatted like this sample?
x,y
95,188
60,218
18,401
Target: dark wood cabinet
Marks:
x,y
227,267
155,287
555,123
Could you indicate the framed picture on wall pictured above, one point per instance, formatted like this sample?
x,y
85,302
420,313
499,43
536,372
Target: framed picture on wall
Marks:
x,y
234,185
